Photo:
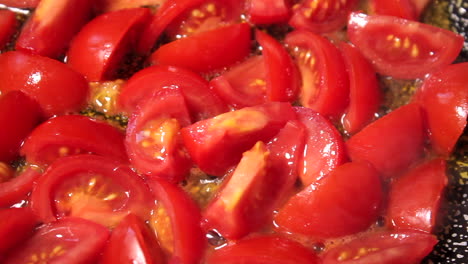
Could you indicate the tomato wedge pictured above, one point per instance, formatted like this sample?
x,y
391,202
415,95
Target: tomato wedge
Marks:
x,y
282,80
399,8
103,6
17,225
91,187
69,240
176,221
365,95
17,188
52,26
324,147
153,138
202,102
57,88
417,210
20,114
444,98
132,242
392,143
208,51
383,248
8,25
401,48
325,210
99,48
321,16
73,134
264,250
20,3
268,11
217,144
325,85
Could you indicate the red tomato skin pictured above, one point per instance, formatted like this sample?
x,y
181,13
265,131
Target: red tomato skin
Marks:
x,y
42,197
282,77
324,210
173,164
20,3
104,6
392,143
52,26
189,239
328,91
400,8
43,79
166,13
17,225
84,239
384,247
99,48
208,51
444,99
324,147
21,114
16,189
428,48
268,11
8,25
216,144
326,16
263,250
73,132
410,208
201,102
132,242
365,95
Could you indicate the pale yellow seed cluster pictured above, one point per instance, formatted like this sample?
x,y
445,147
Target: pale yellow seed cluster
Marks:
x,y
405,44
44,257
346,255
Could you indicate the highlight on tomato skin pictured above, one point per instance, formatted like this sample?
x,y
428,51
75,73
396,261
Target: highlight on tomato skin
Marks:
x,y
444,99
92,187
410,208
402,48
271,249
16,189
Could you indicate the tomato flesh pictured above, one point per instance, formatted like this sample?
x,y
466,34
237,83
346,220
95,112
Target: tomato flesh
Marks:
x,y
8,25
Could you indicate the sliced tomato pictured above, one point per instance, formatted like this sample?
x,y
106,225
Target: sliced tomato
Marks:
x,y
99,48
321,16
6,172
166,13
324,147
210,14
8,25
208,51
103,6
282,76
132,241
365,95
250,90
20,3
392,143
399,8
91,187
263,250
70,240
201,102
444,98
176,221
17,225
325,210
73,134
412,209
52,26
18,188
43,79
217,144
268,11
19,114
383,248
401,48
153,138
325,85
